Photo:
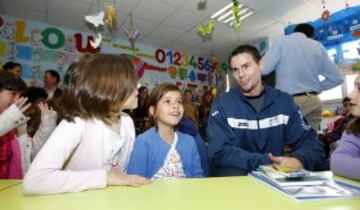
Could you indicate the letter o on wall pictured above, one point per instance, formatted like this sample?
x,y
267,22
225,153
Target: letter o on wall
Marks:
x,y
46,38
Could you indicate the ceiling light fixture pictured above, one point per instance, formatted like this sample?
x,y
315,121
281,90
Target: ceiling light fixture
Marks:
x,y
225,14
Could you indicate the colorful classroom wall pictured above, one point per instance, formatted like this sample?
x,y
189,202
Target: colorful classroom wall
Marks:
x,y
39,47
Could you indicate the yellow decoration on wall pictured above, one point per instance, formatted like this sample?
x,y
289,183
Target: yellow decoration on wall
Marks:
x,y
2,48
19,34
120,46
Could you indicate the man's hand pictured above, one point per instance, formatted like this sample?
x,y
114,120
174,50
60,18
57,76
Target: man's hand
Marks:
x,y
285,162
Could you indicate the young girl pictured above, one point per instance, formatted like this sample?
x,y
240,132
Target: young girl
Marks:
x,y
12,106
90,148
345,160
16,146
162,152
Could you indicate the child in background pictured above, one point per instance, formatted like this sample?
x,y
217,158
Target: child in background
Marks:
x,y
15,144
345,160
12,106
162,152
90,148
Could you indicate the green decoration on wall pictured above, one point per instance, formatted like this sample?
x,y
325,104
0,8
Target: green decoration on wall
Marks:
x,y
46,38
183,73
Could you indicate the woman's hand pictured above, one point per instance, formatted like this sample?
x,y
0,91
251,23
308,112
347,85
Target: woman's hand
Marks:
x,y
22,104
45,110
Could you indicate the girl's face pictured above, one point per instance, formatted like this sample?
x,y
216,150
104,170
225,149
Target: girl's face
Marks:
x,y
169,109
132,101
7,97
355,98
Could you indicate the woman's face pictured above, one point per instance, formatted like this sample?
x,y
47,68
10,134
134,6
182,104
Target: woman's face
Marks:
x,y
355,98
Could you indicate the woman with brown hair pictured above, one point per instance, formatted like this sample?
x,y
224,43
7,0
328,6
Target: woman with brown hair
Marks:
x,y
141,113
345,160
91,147
204,111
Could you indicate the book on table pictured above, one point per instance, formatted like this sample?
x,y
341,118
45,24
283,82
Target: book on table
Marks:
x,y
304,185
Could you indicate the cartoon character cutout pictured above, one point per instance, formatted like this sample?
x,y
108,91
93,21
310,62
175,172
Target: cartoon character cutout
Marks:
x,y
9,31
69,44
37,54
35,72
36,37
12,51
60,60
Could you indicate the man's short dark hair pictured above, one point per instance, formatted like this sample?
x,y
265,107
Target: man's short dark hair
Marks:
x,y
188,91
346,99
54,73
10,65
35,93
246,49
306,29
9,82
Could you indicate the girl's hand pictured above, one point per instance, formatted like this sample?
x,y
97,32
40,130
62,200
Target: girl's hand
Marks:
x,y
22,104
45,110
114,178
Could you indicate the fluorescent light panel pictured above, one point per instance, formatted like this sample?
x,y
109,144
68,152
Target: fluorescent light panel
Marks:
x,y
225,15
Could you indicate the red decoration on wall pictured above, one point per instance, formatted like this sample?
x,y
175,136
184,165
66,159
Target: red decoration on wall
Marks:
x,y
154,68
88,48
191,85
1,22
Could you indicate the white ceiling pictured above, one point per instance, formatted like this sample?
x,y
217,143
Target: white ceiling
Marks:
x,y
172,23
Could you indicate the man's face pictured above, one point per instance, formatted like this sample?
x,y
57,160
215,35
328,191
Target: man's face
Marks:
x,y
49,81
346,107
16,71
187,97
247,73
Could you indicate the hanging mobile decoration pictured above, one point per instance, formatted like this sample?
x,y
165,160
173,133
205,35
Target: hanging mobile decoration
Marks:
x,y
110,15
96,19
326,13
206,31
201,5
236,14
132,34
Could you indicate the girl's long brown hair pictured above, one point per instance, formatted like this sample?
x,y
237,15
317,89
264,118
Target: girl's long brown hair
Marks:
x,y
96,87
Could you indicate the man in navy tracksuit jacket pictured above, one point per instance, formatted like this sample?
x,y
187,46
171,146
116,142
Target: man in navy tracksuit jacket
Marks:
x,y
249,125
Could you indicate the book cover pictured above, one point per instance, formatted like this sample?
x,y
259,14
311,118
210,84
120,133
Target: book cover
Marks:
x,y
330,189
